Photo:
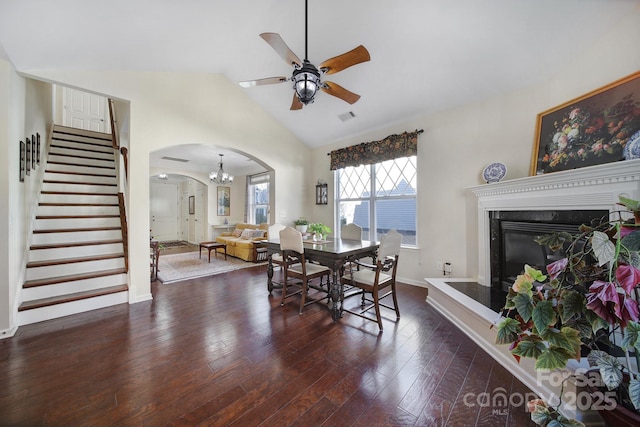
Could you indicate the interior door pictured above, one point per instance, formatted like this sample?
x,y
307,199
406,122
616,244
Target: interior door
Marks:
x,y
200,222
84,110
184,227
164,211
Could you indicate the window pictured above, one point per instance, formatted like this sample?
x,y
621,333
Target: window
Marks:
x,y
382,194
258,199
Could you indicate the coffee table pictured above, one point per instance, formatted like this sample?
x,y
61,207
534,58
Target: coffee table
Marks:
x,y
210,246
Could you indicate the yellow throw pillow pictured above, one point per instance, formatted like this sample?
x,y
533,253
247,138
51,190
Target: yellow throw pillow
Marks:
x,y
237,232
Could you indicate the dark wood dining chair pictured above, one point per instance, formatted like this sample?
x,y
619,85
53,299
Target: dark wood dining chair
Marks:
x,y
295,266
374,278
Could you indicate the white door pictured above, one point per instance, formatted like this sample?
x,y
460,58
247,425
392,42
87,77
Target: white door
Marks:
x,y
184,228
163,205
200,223
84,110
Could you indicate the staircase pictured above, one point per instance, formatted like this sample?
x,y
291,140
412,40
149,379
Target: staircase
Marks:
x,y
76,259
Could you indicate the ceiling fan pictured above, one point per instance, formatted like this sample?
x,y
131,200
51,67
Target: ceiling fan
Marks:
x,y
306,76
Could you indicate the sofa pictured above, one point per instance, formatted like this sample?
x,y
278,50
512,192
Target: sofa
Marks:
x,y
242,245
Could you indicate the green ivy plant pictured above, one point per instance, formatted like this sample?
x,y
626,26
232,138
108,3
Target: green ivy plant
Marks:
x,y
319,228
581,304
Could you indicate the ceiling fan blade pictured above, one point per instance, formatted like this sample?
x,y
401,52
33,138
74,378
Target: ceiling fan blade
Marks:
x,y
296,104
346,60
267,81
281,48
339,92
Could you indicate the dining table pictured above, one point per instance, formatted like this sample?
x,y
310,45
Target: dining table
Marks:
x,y
332,253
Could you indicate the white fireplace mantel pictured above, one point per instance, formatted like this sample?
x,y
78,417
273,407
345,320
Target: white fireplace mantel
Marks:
x,y
589,188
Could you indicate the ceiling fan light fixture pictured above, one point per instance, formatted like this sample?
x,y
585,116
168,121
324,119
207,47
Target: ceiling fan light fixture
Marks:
x,y
220,177
306,82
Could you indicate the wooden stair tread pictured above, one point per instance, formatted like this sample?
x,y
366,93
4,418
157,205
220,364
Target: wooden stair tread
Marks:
x,y
88,150
77,204
78,193
46,302
75,244
72,277
75,230
75,216
49,263
104,184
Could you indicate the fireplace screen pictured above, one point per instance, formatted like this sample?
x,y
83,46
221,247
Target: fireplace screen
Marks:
x,y
513,237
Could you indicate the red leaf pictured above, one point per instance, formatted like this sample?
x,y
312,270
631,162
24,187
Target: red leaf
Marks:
x,y
628,276
557,267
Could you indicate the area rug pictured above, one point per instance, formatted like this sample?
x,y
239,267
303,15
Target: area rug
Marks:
x,y
175,244
178,267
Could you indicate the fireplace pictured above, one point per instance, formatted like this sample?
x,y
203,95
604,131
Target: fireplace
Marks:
x,y
512,239
550,197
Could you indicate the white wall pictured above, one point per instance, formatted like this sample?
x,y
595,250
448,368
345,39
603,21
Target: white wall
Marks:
x,y
168,109
25,109
457,144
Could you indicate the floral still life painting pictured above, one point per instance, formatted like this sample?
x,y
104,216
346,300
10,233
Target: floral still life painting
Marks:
x,y
600,127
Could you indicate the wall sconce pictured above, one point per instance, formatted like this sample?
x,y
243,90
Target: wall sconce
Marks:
x,y
321,193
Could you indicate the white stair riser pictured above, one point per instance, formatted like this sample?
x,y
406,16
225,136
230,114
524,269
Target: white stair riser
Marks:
x,y
75,198
65,288
74,252
65,224
36,273
53,157
62,151
89,145
79,188
80,169
80,135
78,236
52,176
60,310
78,210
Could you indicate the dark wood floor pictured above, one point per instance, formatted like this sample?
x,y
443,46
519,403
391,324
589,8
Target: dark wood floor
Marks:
x,y
220,351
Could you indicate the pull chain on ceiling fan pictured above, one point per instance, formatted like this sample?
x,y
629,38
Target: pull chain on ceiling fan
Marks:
x,y
306,76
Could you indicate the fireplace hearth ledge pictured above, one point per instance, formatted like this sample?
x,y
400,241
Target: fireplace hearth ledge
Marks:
x,y
590,188
476,321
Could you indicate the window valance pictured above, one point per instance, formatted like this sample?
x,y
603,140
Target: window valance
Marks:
x,y
367,153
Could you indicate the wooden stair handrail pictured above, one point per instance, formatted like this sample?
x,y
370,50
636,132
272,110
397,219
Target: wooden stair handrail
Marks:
x,y
114,132
125,233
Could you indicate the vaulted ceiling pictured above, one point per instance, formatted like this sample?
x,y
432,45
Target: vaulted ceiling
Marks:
x,y
426,55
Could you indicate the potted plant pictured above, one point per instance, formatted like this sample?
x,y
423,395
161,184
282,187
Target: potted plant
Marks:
x,y
319,230
301,224
586,305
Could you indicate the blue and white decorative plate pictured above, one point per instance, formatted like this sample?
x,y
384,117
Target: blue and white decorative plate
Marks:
x,y
632,149
494,172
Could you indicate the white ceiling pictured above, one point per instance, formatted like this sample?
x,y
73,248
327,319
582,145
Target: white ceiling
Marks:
x,y
426,55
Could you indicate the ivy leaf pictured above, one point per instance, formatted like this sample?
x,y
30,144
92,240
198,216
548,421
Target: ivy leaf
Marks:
x,y
524,305
565,422
596,321
529,347
634,393
603,248
508,331
573,337
543,315
610,369
632,241
573,304
631,335
541,415
534,273
632,205
553,358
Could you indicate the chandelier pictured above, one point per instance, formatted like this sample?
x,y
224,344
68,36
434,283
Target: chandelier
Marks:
x,y
220,177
